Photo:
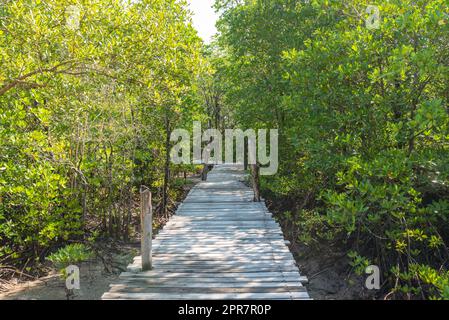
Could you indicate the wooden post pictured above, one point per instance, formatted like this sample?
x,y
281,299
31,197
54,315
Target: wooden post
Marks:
x,y
256,182
146,220
245,154
204,172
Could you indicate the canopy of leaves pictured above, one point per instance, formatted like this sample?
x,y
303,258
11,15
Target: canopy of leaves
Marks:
x,y
85,87
363,116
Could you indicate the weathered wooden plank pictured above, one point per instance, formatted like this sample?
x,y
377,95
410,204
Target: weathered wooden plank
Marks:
x,y
242,247
221,215
214,239
220,223
218,228
161,273
257,239
200,296
226,232
221,257
208,280
230,269
219,249
221,206
217,218
223,243
200,284
218,263
216,234
220,242
282,266
204,290
215,250
249,207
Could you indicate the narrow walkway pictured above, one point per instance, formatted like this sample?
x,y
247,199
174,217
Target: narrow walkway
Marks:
x,y
219,245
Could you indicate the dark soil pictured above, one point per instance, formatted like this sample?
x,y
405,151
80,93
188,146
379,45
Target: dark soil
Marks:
x,y
329,273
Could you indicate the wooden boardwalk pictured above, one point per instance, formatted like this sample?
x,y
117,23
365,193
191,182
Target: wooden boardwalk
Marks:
x,y
219,245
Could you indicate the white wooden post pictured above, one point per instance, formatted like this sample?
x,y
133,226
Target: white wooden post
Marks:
x,y
146,220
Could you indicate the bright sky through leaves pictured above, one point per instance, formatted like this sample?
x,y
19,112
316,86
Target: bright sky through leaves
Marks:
x,y
204,18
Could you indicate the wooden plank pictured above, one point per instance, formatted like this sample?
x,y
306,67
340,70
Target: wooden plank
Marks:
x,y
220,228
227,235
223,224
204,290
217,250
200,296
203,239
218,218
208,280
212,281
204,250
223,268
222,213
237,246
185,261
220,223
230,269
223,249
221,217
221,206
250,242
159,273
221,257
225,207
220,247
243,236
247,232
184,284
273,264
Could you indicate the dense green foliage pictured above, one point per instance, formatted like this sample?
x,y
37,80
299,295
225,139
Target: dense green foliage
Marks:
x,y
84,114
363,121
70,255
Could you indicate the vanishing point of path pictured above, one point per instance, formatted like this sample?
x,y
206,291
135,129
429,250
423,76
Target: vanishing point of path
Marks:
x,y
219,245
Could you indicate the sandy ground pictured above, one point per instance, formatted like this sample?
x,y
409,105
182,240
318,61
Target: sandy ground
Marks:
x,y
95,279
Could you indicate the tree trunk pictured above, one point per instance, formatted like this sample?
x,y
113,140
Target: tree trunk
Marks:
x,y
166,166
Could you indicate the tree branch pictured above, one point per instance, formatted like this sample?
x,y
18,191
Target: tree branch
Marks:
x,y
20,80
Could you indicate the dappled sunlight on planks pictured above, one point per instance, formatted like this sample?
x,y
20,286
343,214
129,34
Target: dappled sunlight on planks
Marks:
x,y
219,245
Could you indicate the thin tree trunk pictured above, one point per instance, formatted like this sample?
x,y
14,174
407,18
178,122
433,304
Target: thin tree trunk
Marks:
x,y
167,165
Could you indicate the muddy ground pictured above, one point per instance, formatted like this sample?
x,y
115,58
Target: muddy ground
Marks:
x,y
329,273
